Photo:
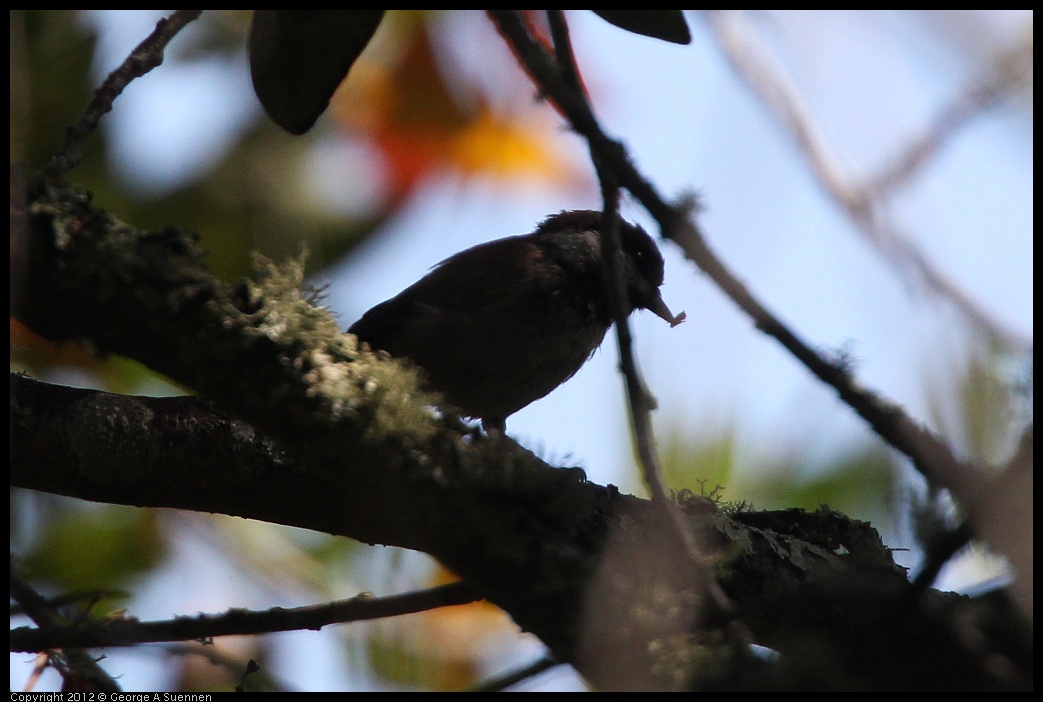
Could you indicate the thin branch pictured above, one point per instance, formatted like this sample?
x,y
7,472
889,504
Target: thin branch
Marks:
x,y
939,552
639,400
967,106
77,668
864,202
147,55
239,621
566,58
928,452
548,78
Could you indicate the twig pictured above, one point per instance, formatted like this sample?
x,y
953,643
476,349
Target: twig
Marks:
x,y
548,78
939,552
238,621
639,400
77,668
146,56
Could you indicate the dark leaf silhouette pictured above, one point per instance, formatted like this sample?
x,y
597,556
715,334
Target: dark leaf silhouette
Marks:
x,y
299,57
668,25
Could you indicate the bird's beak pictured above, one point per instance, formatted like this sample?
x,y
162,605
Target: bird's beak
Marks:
x,y
655,304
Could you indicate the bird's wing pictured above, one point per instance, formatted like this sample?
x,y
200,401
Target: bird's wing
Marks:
x,y
472,282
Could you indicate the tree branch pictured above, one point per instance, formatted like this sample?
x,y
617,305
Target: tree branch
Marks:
x,y
146,56
78,670
639,399
128,632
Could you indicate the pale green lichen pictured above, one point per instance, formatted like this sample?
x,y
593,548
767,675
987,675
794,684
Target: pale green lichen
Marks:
x,y
347,379
291,308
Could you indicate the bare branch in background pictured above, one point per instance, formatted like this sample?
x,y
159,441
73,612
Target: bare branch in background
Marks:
x,y
146,56
866,202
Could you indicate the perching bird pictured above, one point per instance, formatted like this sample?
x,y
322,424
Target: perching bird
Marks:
x,y
502,324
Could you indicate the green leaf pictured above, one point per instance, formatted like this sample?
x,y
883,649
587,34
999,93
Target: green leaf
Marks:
x,y
668,25
299,57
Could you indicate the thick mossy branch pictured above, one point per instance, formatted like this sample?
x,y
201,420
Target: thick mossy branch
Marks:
x,y
260,348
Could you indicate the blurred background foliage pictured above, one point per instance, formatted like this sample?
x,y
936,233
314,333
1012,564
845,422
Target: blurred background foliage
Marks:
x,y
406,115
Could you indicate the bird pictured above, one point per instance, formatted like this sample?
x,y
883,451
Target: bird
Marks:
x,y
502,324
